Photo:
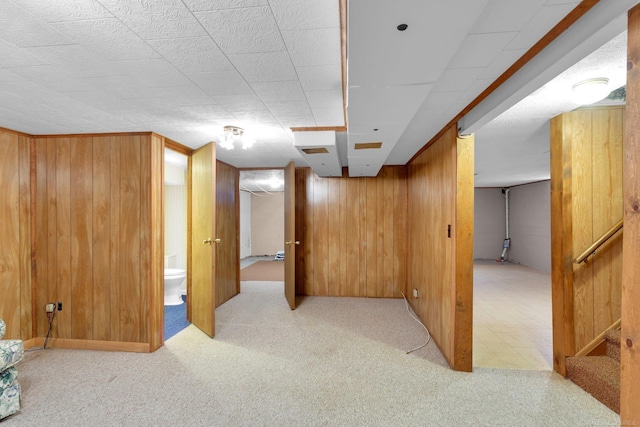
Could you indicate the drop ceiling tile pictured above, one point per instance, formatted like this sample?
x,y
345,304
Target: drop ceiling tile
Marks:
x,y
192,54
108,38
479,50
328,116
313,47
297,121
123,86
325,99
539,25
6,76
506,15
244,30
156,19
207,112
225,82
155,72
241,102
457,79
54,78
303,14
64,10
264,66
183,95
22,29
289,109
101,99
13,56
501,63
263,117
320,78
202,5
271,92
76,60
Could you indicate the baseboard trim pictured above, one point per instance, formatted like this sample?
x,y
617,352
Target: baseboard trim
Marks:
x,y
134,347
30,343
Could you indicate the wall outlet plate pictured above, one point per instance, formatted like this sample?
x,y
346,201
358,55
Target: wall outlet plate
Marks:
x,y
50,307
415,293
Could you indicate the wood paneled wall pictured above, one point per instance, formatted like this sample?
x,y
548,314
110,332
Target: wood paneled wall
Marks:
x,y
352,234
440,244
227,230
630,355
15,235
98,244
586,200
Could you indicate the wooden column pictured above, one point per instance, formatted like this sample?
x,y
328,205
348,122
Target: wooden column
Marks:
x,y
630,357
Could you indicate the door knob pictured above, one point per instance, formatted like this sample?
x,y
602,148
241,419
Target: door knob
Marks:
x,y
206,241
217,240
297,242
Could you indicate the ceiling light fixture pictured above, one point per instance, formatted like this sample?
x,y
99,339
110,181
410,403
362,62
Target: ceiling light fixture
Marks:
x,y
591,90
233,134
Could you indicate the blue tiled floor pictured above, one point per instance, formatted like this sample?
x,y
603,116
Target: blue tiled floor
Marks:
x,y
175,319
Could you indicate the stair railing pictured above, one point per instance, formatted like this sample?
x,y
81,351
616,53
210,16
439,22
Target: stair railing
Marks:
x,y
591,250
599,339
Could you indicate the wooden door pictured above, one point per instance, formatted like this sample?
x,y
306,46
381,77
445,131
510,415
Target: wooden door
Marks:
x,y
290,235
203,255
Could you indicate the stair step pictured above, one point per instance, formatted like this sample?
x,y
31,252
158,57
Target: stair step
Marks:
x,y
598,376
613,343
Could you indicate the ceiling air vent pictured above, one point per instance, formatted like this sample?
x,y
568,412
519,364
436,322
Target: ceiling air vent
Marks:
x,y
367,145
320,150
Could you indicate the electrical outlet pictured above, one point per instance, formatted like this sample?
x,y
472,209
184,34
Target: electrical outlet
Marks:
x,y
50,307
59,305
415,293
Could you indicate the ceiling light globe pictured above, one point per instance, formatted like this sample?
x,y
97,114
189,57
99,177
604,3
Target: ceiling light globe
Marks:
x,y
591,90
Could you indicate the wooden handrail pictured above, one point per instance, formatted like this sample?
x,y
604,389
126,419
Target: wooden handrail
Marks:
x,y
601,241
597,340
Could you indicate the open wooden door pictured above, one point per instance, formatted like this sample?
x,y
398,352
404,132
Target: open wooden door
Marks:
x,y
203,254
290,235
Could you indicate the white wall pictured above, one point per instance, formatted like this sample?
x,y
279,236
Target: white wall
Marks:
x,y
489,227
530,225
267,223
245,224
175,223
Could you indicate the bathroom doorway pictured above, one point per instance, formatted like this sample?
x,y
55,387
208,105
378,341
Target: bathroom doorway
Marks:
x,y
262,225
175,242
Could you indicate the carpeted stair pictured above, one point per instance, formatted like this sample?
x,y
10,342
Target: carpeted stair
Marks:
x,y
599,375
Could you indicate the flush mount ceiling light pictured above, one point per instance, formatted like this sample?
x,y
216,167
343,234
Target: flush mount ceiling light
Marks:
x,y
233,134
591,90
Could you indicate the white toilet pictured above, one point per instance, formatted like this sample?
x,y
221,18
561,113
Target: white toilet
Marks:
x,y
173,278
173,281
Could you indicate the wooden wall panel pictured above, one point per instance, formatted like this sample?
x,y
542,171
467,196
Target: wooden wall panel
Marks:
x,y
440,246
15,258
98,216
586,187
227,230
349,230
630,354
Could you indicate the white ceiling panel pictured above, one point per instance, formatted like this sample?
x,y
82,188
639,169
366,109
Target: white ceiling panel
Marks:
x,y
244,30
480,50
202,5
55,78
156,19
506,15
192,54
327,116
325,99
108,38
318,46
77,60
289,109
271,92
13,56
304,14
224,82
543,21
264,66
22,29
320,78
156,72
501,63
457,79
64,10
241,102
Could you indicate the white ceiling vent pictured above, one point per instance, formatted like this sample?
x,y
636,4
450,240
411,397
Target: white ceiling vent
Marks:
x,y
319,151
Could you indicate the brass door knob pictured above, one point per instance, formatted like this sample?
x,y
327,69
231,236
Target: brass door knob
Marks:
x,y
217,241
297,242
206,241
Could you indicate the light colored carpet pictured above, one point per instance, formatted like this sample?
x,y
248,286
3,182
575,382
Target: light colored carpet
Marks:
x,y
331,362
263,271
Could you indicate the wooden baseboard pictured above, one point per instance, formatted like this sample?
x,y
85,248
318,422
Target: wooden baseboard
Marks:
x,y
27,344
134,347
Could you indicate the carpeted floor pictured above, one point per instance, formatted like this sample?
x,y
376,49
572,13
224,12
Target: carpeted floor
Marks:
x,y
331,362
264,271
